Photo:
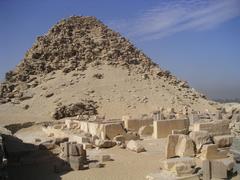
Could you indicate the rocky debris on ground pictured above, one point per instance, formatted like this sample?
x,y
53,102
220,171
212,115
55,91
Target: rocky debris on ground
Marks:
x,y
204,153
135,146
86,107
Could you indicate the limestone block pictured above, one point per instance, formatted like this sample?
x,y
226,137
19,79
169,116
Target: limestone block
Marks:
x,y
171,145
182,131
185,146
146,130
102,130
183,169
179,145
215,128
73,150
113,129
206,170
200,138
65,146
163,128
81,150
220,167
76,162
210,151
87,146
79,139
194,117
104,143
169,164
135,146
223,141
135,124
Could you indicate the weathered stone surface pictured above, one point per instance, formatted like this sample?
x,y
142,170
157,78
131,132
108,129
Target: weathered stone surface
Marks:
x,y
185,146
76,162
168,164
102,130
113,129
104,143
135,124
215,128
163,128
183,169
200,138
182,131
223,141
220,167
179,145
73,150
135,146
206,170
146,130
131,136
79,139
65,148
210,151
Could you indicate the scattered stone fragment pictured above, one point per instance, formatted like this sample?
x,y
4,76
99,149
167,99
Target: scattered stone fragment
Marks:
x,y
104,143
135,146
49,95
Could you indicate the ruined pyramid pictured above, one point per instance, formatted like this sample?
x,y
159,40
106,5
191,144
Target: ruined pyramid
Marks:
x,y
80,66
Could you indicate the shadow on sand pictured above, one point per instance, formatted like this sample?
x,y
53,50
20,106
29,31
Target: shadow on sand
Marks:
x,y
29,162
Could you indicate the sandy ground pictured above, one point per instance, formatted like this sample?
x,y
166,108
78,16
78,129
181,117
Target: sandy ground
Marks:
x,y
117,94
126,164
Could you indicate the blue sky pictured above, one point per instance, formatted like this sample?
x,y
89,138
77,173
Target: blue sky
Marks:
x,y
197,40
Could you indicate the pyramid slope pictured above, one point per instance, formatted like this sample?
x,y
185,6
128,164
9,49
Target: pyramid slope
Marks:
x,y
82,59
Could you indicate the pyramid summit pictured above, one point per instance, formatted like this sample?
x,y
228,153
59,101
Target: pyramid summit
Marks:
x,y
81,60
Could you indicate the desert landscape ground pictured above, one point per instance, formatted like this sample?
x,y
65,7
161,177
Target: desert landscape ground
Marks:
x,y
85,103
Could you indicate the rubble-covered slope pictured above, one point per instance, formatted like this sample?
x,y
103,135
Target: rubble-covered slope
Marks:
x,y
82,60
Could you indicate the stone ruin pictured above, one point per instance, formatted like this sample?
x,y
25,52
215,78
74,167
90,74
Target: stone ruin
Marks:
x,y
199,150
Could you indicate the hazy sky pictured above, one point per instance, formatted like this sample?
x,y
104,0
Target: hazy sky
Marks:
x,y
197,40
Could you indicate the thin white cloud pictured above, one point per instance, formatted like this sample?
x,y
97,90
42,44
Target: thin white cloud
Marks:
x,y
174,16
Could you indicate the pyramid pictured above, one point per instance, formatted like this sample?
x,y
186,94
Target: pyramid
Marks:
x,y
82,61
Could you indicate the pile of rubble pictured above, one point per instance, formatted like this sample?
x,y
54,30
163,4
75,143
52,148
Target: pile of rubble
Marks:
x,y
82,108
